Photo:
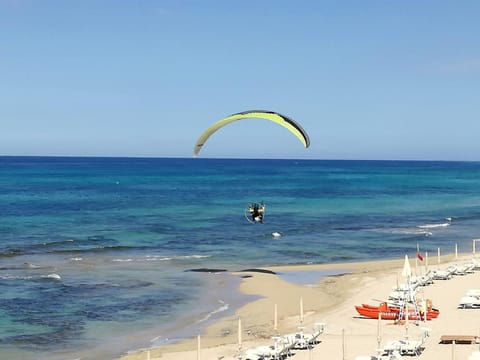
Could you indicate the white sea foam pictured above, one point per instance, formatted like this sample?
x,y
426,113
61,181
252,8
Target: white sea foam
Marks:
x,y
32,266
406,231
222,308
195,256
15,277
51,276
30,277
76,259
433,226
158,258
161,258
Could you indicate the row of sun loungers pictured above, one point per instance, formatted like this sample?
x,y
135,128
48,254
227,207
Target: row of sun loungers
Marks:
x,y
447,274
284,345
406,346
452,270
398,348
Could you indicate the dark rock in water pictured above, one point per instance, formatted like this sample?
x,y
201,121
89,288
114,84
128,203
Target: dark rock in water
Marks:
x,y
207,270
260,271
246,276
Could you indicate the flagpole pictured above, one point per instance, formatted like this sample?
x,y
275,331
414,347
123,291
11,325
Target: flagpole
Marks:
x,y
426,261
416,260
406,319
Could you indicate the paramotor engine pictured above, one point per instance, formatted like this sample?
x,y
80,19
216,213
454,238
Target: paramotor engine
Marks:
x,y
255,212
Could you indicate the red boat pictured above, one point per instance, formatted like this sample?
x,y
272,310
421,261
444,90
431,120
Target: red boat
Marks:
x,y
393,313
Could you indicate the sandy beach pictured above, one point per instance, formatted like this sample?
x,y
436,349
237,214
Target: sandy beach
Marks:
x,y
331,301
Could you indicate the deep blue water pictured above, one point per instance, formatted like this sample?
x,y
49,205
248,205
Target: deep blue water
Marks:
x,y
94,251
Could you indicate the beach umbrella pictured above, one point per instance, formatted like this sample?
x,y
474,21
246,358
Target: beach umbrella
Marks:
x,y
198,347
407,271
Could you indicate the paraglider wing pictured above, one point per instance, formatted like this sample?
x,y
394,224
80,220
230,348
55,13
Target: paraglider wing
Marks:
x,y
278,118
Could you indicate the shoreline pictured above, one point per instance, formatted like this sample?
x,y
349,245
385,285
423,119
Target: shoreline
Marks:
x,y
327,300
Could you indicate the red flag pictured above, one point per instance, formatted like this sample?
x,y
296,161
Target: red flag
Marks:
x,y
419,254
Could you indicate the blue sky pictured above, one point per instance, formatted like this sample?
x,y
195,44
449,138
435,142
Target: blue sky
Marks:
x,y
366,79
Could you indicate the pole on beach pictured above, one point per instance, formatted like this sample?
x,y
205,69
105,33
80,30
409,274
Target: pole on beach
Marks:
x,y
456,251
453,350
239,334
379,336
474,242
343,344
416,260
275,318
438,255
239,338
148,354
301,310
406,320
426,261
198,347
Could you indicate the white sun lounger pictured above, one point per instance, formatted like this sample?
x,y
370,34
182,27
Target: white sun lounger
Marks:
x,y
442,275
404,347
474,293
469,302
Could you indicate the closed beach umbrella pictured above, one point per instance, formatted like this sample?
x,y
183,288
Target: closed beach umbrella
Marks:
x,y
407,271
198,347
275,318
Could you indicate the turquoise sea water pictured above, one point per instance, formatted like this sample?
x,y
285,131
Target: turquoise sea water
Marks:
x,y
95,252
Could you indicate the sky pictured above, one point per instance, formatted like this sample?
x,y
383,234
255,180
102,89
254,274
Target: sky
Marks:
x,y
393,80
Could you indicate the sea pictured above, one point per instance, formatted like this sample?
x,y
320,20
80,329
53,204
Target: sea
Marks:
x,y
100,256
